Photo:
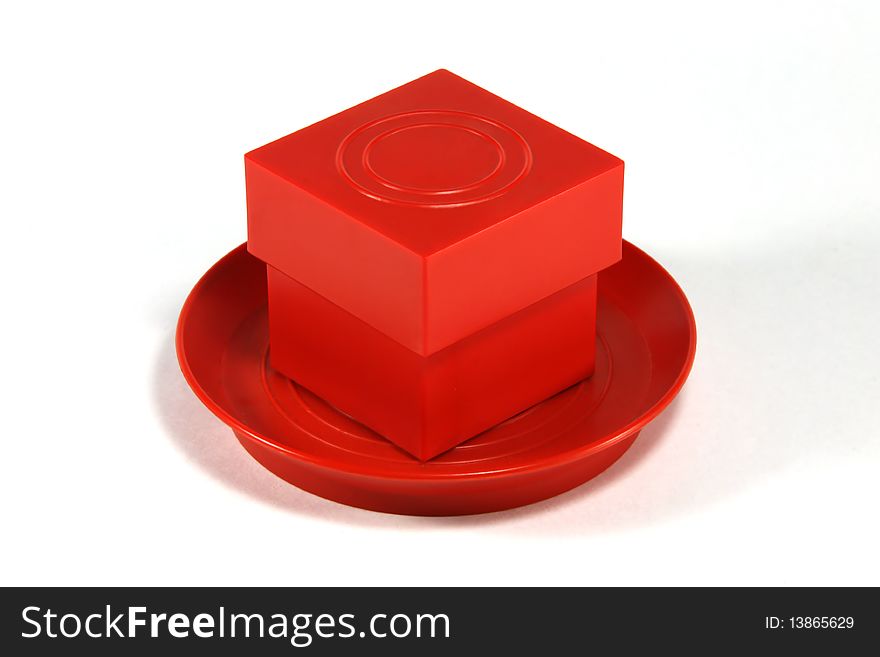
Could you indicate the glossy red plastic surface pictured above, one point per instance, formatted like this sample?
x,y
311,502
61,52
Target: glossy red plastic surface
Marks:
x,y
434,210
427,404
646,340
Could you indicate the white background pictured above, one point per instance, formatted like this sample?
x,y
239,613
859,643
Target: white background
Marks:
x,y
752,141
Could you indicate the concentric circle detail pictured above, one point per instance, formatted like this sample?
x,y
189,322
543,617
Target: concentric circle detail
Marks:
x,y
433,158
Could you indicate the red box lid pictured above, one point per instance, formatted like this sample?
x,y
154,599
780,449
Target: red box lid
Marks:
x,y
434,210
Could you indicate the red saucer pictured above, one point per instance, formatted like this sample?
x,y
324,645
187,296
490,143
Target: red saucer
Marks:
x,y
646,339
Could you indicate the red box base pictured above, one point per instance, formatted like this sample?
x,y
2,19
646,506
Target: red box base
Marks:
x,y
428,404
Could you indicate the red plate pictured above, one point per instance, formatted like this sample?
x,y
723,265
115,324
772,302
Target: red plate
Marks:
x,y
645,347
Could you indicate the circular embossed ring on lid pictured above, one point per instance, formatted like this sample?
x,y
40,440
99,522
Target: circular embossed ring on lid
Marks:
x,y
433,158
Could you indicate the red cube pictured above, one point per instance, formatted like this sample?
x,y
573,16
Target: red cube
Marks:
x,y
432,256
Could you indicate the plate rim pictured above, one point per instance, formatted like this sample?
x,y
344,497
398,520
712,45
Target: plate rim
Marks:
x,y
570,455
